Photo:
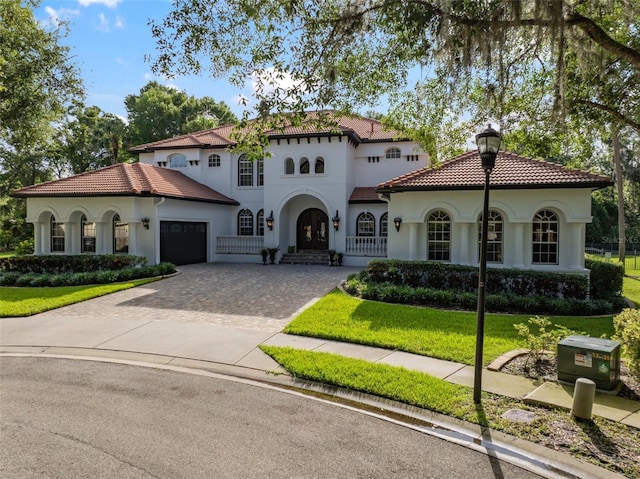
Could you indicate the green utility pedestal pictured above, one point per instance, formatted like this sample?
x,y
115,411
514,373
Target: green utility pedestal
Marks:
x,y
592,358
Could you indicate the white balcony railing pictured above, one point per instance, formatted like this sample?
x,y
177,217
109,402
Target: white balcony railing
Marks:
x,y
366,246
239,244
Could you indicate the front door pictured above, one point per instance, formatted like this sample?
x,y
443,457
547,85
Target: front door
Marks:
x,y
313,230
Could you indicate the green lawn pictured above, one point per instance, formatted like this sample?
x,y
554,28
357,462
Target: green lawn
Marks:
x,y
449,335
631,288
28,301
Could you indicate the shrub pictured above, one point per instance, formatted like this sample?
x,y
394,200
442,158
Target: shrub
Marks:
x,y
627,325
9,278
25,247
539,339
606,276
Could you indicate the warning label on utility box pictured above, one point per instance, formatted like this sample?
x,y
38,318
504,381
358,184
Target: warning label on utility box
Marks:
x,y
583,360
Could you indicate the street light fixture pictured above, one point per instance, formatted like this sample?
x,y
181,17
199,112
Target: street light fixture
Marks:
x,y
488,143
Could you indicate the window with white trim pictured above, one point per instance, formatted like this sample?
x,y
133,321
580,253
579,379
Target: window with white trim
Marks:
x,y
260,223
366,225
439,236
304,166
120,235
289,166
245,223
214,160
494,237
392,153
260,172
87,235
384,224
177,161
319,166
57,236
545,238
245,171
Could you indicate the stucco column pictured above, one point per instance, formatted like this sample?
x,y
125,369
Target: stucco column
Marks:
x,y
69,244
576,246
133,237
464,244
413,241
37,238
100,235
518,245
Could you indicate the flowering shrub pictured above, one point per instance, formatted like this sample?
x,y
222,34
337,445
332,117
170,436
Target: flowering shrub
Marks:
x,y
627,325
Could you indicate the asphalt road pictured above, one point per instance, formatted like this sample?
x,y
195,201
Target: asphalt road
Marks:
x,y
63,418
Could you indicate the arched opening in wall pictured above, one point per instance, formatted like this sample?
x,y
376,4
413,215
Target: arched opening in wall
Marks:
x,y
87,235
319,166
545,238
120,235
439,236
304,166
57,233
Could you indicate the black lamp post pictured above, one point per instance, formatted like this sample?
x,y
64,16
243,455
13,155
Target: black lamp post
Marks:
x,y
488,143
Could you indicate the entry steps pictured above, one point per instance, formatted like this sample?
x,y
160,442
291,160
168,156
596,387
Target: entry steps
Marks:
x,y
316,257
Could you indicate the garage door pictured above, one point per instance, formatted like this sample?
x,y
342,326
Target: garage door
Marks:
x,y
183,242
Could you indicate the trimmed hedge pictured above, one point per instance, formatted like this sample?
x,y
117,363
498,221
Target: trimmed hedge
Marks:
x,y
607,276
58,264
427,274
494,303
13,278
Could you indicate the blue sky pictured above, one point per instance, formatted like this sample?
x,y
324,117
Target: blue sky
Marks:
x,y
108,41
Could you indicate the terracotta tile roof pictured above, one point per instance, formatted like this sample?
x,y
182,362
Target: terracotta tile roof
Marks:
x,y
512,171
360,129
364,194
127,179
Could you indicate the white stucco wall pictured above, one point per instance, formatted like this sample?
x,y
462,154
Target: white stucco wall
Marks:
x,y
517,207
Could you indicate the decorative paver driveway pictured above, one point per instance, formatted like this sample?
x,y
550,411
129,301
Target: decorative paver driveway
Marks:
x,y
251,296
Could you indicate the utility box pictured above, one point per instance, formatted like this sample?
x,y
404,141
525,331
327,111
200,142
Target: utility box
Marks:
x,y
592,358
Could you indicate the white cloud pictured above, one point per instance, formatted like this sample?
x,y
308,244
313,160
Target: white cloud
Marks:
x,y
55,16
104,23
106,3
119,23
276,83
122,61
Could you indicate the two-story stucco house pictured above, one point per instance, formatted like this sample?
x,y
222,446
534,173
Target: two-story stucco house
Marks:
x,y
361,190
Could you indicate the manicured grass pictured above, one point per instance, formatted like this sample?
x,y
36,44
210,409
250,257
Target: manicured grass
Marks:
x,y
449,335
27,301
6,254
631,289
392,382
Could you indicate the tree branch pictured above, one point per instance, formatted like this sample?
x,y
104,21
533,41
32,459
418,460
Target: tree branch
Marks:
x,y
611,111
599,36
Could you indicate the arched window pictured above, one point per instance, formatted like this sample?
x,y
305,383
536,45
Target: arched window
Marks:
x,y
260,166
245,172
545,238
57,236
120,235
392,153
366,225
384,224
245,223
87,236
260,223
177,161
494,237
289,167
214,160
304,166
439,236
319,166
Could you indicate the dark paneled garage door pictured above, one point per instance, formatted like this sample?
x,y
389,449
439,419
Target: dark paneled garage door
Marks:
x,y
183,242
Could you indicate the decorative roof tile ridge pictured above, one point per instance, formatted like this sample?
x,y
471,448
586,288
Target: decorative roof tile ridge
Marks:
x,y
128,174
144,173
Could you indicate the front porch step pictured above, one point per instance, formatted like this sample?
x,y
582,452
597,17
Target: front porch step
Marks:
x,y
305,258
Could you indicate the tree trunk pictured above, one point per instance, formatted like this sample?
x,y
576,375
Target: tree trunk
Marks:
x,y
620,191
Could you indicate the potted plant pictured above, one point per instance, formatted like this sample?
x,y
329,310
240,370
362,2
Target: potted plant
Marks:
x,y
272,253
332,256
291,249
339,257
264,252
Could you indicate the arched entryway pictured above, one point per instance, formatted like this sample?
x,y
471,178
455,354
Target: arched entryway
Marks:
x,y
312,230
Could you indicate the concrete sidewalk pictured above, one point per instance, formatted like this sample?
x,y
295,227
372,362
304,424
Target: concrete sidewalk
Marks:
x,y
173,342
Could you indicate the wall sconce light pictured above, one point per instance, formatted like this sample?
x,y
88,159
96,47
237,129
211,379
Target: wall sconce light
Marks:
x,y
269,220
397,221
145,223
336,221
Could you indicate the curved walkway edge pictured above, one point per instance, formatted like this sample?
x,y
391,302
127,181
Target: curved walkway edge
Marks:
x,y
538,459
